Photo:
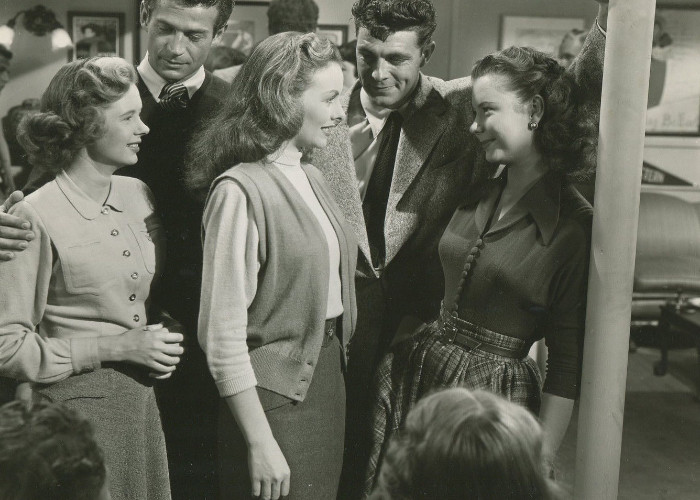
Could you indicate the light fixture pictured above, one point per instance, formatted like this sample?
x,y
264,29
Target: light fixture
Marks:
x,y
39,21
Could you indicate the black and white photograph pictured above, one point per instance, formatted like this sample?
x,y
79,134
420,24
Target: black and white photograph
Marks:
x,y
350,250
96,34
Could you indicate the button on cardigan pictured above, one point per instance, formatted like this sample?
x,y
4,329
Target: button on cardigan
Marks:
x,y
87,274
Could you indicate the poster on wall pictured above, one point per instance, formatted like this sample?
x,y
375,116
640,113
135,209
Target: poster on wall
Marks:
x,y
96,34
673,106
542,33
246,27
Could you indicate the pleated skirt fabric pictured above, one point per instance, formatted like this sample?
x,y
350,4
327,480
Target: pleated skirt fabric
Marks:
x,y
429,362
120,404
310,434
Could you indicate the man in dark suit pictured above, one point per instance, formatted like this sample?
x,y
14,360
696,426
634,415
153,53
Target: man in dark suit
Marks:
x,y
398,170
177,94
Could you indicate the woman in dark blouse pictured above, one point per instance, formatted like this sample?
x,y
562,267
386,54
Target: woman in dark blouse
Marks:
x,y
514,257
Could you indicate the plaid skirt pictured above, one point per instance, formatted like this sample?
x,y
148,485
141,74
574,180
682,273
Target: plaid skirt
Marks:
x,y
430,361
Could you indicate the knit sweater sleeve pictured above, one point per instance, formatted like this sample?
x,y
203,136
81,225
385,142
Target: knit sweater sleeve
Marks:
x,y
229,283
565,327
25,355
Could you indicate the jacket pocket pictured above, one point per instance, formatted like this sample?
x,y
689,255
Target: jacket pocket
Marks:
x,y
83,269
147,237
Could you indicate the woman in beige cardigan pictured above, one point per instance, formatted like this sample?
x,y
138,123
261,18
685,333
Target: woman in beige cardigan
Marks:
x,y
75,304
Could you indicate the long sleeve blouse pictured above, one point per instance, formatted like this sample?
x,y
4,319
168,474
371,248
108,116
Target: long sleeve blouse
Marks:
x,y
529,280
87,274
232,262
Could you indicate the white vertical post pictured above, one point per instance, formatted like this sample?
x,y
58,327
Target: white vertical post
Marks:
x,y
616,210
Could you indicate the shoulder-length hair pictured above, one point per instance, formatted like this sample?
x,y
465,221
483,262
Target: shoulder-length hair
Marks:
x,y
263,108
466,445
567,134
71,115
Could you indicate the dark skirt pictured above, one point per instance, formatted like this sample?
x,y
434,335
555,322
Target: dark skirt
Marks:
x,y
310,434
121,406
428,362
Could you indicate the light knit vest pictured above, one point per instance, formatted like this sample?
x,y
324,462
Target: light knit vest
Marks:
x,y
287,316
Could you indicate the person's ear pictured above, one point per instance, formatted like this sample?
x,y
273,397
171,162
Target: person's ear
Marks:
x,y
427,53
144,14
536,108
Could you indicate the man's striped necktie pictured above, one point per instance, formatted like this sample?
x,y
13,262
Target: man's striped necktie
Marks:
x,y
174,96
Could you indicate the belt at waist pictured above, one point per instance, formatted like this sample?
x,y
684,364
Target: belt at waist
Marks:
x,y
465,334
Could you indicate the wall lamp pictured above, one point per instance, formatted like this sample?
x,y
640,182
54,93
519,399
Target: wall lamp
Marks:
x,y
39,21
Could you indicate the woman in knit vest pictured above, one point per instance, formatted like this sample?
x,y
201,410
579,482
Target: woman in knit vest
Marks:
x,y
278,298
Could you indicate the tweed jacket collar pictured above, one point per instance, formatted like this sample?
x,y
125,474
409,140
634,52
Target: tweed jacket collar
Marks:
x,y
422,127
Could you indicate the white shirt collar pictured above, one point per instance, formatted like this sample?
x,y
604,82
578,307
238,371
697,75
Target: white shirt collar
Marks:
x,y
376,116
155,83
287,155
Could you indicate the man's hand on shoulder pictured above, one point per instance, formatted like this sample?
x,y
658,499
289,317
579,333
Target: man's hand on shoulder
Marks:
x,y
15,233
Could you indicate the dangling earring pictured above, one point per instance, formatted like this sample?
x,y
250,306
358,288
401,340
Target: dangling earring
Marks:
x,y
532,125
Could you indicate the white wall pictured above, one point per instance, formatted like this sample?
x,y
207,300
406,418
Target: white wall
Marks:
x,y
34,64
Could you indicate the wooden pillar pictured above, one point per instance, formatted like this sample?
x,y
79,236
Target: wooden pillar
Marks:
x,y
616,210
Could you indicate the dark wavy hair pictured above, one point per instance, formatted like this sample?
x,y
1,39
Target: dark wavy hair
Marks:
x,y
71,114
48,451
466,445
385,17
567,135
263,108
292,15
225,7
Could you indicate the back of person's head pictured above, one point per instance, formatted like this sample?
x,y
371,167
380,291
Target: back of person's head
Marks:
x,y
263,108
48,452
576,34
224,7
465,445
567,134
570,46
292,15
385,17
221,56
71,110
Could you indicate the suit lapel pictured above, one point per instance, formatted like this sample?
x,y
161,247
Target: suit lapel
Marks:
x,y
423,126
338,168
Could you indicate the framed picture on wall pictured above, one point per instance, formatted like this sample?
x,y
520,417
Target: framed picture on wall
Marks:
x,y
336,33
673,105
246,27
542,33
96,34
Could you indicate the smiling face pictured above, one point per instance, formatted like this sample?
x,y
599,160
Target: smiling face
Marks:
x,y
179,37
322,109
501,121
119,145
390,69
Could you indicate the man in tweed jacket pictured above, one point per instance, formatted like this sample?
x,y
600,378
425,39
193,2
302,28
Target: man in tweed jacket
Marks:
x,y
436,160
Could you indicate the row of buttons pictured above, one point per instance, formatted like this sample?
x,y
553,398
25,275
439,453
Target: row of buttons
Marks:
x,y
125,253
